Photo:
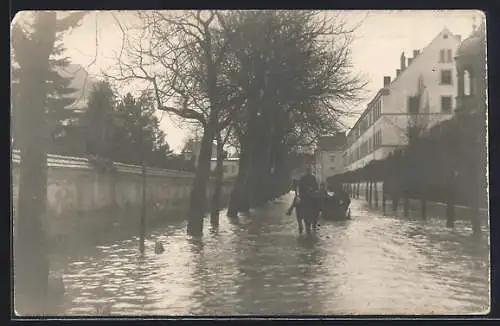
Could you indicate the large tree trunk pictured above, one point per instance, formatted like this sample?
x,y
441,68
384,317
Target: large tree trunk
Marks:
x,y
219,174
30,257
198,197
237,202
30,264
257,185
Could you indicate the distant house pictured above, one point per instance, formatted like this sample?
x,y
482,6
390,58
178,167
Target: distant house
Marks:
x,y
192,150
329,156
230,166
301,162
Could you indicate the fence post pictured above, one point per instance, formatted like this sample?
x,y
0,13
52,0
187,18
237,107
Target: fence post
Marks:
x,y
474,215
406,204
370,194
450,212
357,190
395,201
450,203
476,223
383,196
424,206
375,191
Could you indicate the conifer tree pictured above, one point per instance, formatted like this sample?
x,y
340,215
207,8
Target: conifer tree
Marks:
x,y
33,47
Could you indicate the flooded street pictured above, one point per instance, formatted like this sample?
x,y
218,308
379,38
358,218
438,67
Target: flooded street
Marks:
x,y
372,264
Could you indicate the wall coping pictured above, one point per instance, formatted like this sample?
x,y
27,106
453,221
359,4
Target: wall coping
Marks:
x,y
82,163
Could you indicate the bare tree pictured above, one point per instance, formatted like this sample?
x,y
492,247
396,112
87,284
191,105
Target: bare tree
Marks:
x,y
294,71
180,55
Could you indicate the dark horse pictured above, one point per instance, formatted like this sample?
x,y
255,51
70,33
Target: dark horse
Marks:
x,y
307,211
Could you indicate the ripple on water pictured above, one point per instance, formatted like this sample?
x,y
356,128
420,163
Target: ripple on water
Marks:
x,y
370,265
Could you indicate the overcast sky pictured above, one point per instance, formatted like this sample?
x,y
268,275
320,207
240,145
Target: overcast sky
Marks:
x,y
375,52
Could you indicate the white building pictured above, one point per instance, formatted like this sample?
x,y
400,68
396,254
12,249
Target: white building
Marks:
x,y
230,166
328,156
422,94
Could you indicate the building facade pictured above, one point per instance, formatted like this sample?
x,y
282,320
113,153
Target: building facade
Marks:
x,y
421,95
329,156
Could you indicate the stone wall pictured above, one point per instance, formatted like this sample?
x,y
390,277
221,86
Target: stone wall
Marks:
x,y
81,200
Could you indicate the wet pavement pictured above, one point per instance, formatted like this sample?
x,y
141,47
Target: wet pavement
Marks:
x,y
372,264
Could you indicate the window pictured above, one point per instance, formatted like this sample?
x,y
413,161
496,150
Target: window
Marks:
x,y
449,55
377,111
446,77
467,84
446,104
413,104
332,158
441,56
363,126
376,140
332,168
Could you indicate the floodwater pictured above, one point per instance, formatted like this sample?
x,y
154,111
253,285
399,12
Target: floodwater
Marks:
x,y
372,264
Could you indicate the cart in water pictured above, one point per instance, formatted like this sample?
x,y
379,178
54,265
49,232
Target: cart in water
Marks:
x,y
335,209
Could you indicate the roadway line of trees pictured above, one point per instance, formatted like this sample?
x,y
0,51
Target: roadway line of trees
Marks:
x,y
270,81
447,164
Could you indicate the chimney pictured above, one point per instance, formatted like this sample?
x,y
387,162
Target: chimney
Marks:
x,y
409,61
387,81
403,61
398,71
416,53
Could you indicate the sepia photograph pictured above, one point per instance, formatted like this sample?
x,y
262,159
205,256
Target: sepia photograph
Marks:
x,y
254,163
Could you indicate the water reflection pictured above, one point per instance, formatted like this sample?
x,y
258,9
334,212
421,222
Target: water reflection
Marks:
x,y
372,264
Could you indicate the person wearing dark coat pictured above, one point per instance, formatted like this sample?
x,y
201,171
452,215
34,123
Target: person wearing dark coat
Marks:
x,y
342,198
